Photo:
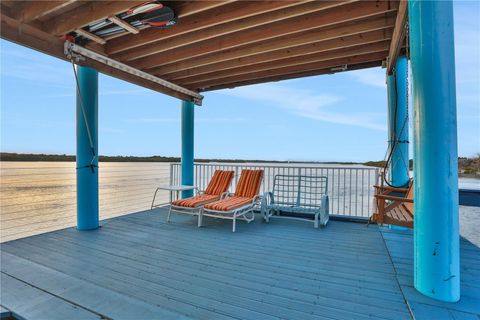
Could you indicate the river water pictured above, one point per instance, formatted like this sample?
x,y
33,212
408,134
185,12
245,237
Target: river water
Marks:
x,y
39,197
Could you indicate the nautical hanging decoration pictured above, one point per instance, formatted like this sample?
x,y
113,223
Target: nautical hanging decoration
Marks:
x,y
154,14
150,13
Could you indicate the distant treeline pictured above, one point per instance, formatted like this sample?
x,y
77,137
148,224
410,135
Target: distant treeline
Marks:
x,y
466,166
381,164
8,156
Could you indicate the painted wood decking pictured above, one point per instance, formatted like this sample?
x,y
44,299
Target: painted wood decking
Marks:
x,y
400,247
139,267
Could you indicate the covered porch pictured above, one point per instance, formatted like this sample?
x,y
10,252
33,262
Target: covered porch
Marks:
x,y
138,266
281,270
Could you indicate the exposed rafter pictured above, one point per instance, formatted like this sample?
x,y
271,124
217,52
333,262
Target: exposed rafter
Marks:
x,y
88,13
30,10
310,73
125,25
363,48
365,56
215,44
90,36
278,12
349,12
398,38
236,55
297,52
215,16
39,40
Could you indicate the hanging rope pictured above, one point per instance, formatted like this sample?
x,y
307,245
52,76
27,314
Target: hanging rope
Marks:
x,y
92,164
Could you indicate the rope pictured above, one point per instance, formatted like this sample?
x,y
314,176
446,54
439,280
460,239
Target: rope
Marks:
x,y
394,142
92,164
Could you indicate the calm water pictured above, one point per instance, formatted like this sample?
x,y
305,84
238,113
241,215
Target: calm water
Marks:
x,y
39,197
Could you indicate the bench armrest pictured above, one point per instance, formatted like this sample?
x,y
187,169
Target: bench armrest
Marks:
x,y
391,188
400,199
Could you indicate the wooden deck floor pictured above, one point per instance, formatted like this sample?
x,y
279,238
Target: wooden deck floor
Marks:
x,y
400,247
139,267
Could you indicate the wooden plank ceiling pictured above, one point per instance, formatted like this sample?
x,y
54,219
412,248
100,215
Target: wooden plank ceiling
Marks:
x,y
219,44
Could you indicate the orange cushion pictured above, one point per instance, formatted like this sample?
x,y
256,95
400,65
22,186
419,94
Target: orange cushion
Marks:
x,y
249,183
196,201
228,204
220,182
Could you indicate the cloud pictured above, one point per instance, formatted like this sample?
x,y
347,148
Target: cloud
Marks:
x,y
304,103
34,67
371,77
177,120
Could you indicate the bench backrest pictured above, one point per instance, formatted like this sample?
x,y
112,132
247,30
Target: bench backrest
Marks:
x,y
299,190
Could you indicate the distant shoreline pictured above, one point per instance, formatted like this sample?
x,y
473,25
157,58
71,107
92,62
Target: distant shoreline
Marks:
x,y
8,156
468,167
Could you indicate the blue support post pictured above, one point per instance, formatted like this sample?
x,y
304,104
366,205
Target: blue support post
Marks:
x,y
436,226
188,109
87,170
398,124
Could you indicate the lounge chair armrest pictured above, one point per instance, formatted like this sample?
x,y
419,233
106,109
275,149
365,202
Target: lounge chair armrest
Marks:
x,y
224,195
400,199
256,198
268,196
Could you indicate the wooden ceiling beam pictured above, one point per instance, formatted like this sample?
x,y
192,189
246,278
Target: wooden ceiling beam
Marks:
x,y
244,24
26,35
309,73
229,58
349,12
125,25
88,13
295,53
218,15
308,61
28,11
187,8
181,9
398,38
283,71
90,36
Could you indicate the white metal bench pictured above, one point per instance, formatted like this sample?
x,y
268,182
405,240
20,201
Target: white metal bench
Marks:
x,y
297,197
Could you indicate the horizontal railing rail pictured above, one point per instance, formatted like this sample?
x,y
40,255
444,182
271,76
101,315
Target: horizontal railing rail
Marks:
x,y
350,188
39,197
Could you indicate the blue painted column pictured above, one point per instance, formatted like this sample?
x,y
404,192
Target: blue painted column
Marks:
x,y
188,109
87,136
398,124
436,237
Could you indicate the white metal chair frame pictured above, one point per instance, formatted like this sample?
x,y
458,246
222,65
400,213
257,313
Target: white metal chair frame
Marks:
x,y
195,211
299,194
237,213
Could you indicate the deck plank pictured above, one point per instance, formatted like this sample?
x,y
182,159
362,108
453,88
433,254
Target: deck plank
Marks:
x,y
111,305
281,270
29,302
400,247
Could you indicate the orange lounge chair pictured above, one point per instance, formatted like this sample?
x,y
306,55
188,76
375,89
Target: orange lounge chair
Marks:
x,y
238,205
217,187
392,209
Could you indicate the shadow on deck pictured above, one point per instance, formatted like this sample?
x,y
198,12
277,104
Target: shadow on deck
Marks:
x,y
139,267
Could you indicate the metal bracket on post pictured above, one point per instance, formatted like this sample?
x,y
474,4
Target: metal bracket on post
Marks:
x,y
67,50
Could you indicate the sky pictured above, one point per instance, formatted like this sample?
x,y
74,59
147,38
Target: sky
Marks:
x,y
341,117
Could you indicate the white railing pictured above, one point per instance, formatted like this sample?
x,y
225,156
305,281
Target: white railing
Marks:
x,y
350,188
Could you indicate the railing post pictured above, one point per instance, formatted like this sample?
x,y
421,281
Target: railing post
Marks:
x,y
87,148
436,225
187,146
